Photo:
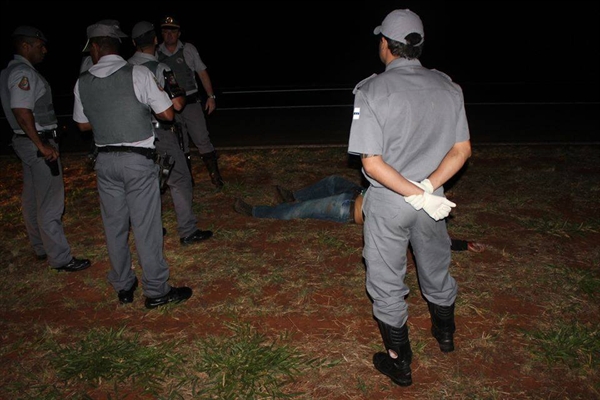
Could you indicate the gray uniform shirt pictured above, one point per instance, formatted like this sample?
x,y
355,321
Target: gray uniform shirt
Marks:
x,y
410,115
22,86
192,59
140,58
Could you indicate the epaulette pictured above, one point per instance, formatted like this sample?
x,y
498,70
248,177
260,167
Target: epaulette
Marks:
x,y
359,84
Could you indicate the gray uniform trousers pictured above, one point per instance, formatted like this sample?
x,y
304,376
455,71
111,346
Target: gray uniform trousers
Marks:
x,y
390,225
194,126
179,182
129,192
43,203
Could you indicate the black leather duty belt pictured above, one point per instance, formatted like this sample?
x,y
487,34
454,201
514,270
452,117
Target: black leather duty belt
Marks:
x,y
146,152
48,134
167,126
193,98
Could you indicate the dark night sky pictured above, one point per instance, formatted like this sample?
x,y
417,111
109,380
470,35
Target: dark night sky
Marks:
x,y
284,44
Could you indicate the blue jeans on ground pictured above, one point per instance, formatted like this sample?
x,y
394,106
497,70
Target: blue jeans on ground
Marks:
x,y
329,199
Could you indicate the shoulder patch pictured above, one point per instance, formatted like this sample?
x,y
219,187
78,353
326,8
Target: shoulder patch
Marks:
x,y
359,84
24,84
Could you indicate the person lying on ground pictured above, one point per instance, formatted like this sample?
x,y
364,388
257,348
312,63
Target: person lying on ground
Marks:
x,y
333,198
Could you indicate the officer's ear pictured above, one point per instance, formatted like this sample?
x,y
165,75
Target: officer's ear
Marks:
x,y
25,45
383,44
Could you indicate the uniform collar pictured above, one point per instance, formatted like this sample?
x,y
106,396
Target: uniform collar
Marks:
x,y
145,56
164,49
22,59
107,65
403,62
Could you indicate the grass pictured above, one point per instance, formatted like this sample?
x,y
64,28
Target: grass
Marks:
x,y
279,307
572,344
581,283
247,365
115,357
243,365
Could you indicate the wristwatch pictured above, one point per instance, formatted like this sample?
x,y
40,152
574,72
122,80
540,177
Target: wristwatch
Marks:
x,y
212,96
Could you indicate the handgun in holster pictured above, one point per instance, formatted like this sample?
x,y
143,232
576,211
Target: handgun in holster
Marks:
x,y
165,163
178,130
91,157
44,137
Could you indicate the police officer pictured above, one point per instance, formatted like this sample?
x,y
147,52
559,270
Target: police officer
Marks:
x,y
410,128
27,103
86,63
184,60
128,182
169,134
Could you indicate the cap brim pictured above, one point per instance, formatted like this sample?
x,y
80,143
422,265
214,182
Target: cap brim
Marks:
x,y
170,26
87,46
377,30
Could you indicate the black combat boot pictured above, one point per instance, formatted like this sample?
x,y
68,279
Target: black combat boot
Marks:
x,y
210,160
442,325
396,343
188,160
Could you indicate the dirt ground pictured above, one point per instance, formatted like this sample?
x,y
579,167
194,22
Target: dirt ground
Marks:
x,y
535,209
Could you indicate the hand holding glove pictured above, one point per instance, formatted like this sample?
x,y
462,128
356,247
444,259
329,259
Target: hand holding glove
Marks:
x,y
417,201
443,210
437,207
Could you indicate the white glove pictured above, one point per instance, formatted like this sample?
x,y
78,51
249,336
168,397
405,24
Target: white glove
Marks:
x,y
416,200
437,207
426,186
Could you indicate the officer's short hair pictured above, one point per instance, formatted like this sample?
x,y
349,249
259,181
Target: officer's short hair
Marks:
x,y
408,51
106,43
146,39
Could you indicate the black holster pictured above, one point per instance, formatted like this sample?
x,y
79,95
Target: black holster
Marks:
x,y
45,137
166,163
